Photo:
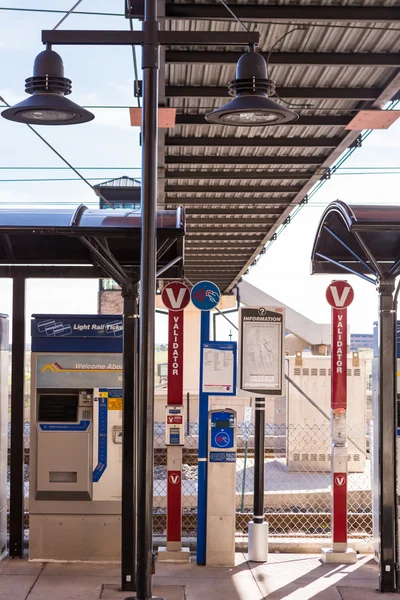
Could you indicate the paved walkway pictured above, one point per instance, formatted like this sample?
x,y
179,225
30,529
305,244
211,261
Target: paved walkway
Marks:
x,y
285,576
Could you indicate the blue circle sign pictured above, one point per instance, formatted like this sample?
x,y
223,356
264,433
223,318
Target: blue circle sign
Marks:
x,y
205,295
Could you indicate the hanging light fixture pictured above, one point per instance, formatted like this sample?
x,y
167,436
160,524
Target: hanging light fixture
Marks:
x,y
251,107
47,105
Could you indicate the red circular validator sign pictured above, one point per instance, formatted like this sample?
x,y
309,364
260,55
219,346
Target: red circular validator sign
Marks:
x,y
339,294
176,295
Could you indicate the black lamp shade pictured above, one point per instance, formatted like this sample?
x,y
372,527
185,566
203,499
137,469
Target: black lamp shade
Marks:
x,y
48,104
251,111
252,107
47,109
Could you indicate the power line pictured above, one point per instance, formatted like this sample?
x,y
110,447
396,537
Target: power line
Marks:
x,y
71,10
62,158
30,168
61,12
58,179
291,22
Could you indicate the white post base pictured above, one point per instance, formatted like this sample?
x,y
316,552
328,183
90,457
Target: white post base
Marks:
x,y
258,542
348,557
174,556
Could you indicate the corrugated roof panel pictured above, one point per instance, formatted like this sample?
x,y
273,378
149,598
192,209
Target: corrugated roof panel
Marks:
x,y
203,206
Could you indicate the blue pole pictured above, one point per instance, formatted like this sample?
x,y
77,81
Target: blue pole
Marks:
x,y
203,448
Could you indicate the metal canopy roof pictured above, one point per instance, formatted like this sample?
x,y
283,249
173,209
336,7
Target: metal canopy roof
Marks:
x,y
363,240
85,243
239,184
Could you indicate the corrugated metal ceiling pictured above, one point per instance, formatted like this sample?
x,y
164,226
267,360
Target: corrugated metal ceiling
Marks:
x,y
343,66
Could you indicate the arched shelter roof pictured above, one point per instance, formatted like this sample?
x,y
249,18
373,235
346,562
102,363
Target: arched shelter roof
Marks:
x,y
359,239
82,242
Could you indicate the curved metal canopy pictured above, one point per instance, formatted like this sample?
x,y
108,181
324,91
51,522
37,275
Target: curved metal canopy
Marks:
x,y
359,239
86,243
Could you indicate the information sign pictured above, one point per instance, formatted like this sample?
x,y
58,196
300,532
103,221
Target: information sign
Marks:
x,y
262,350
218,375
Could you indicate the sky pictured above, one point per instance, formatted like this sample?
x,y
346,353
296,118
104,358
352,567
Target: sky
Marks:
x,y
104,76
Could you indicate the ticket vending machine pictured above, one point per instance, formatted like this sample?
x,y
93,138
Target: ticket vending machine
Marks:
x,y
76,435
4,345
221,488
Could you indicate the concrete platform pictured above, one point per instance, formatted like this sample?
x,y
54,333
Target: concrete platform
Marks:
x,y
285,576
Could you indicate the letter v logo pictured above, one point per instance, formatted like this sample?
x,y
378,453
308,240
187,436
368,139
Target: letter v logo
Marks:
x,y
340,300
174,479
339,294
175,302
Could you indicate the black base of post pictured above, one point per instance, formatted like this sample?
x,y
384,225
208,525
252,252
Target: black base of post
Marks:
x,y
387,437
259,457
129,437
17,420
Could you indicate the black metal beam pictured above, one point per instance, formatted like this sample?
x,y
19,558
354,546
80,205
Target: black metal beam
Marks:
x,y
222,243
233,211
196,259
221,229
230,235
246,141
223,174
224,266
307,121
244,160
221,249
263,13
321,59
226,200
137,38
322,93
233,189
17,420
52,272
225,221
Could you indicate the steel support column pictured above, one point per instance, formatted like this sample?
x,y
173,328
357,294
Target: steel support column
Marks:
x,y
150,66
129,437
17,420
387,436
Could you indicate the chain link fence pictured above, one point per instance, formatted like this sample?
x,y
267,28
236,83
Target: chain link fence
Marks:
x,y
297,472
297,497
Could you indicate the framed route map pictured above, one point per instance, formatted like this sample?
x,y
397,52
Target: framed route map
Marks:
x,y
261,351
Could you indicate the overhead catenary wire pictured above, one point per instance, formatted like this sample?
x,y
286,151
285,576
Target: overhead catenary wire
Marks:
x,y
63,159
60,12
71,10
290,22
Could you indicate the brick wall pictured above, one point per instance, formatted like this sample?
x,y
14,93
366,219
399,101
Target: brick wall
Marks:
x,y
110,302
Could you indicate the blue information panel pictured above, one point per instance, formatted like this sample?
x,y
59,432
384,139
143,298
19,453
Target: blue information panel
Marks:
x,y
222,430
205,295
218,368
222,437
